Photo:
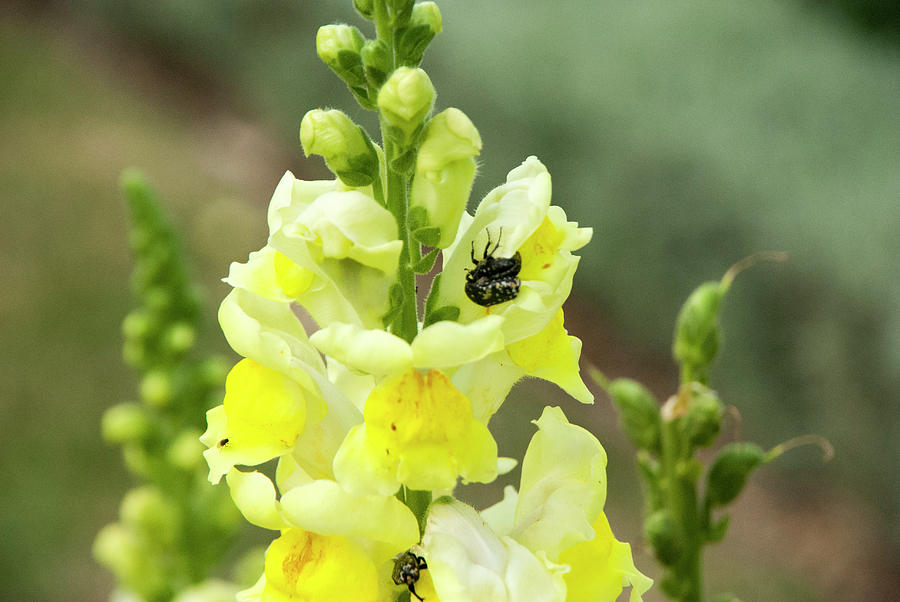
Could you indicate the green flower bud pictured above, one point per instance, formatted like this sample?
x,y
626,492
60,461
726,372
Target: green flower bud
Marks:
x,y
147,509
133,353
661,531
364,7
186,452
404,101
445,168
156,388
180,337
639,409
703,419
213,371
377,62
730,470
338,46
136,324
424,23
125,422
136,459
118,548
346,148
697,330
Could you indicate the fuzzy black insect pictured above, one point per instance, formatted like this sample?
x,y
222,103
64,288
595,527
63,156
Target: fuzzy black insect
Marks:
x,y
493,280
406,571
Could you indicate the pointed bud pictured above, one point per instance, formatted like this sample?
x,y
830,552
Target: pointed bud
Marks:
x,y
697,331
639,412
729,471
445,168
424,23
404,101
346,148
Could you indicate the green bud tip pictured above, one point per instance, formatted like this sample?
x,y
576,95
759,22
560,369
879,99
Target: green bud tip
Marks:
x,y
347,150
406,98
333,39
427,13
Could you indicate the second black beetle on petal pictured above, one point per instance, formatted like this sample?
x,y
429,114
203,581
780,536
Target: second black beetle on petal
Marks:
x,y
406,571
493,280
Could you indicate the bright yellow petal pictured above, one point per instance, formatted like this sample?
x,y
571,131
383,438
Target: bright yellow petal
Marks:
x,y
601,568
424,426
307,567
553,355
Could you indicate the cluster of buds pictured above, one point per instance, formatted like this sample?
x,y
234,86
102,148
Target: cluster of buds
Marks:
x,y
373,410
173,529
680,517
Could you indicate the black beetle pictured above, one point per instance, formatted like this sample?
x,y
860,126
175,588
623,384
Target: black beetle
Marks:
x,y
493,280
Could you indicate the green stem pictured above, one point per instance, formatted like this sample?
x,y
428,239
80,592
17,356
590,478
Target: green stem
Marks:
x,y
685,576
407,327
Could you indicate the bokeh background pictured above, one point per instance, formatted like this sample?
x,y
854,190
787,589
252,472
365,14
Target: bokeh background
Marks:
x,y
688,134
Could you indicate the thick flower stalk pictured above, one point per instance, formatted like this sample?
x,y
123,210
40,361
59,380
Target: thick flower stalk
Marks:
x,y
378,405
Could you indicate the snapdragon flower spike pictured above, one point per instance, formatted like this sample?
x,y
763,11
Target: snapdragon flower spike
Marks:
x,y
549,542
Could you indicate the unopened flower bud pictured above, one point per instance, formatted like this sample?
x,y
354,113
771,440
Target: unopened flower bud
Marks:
x,y
186,452
639,412
147,509
703,419
364,7
661,531
125,422
118,548
424,23
729,471
338,46
136,324
697,330
445,168
180,337
156,388
346,148
404,101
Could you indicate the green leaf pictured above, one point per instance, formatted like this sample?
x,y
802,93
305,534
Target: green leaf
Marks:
x,y
447,312
428,236
424,265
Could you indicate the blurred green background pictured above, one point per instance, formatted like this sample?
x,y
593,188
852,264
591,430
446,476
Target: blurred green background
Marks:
x,y
688,134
